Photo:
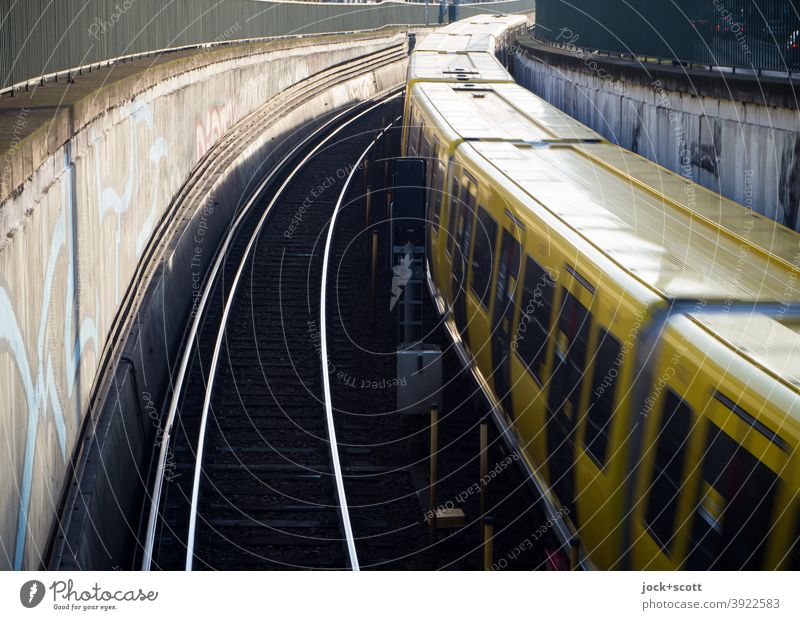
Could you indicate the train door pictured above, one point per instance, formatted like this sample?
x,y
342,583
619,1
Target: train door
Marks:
x,y
598,457
670,447
735,505
503,316
426,152
461,254
436,176
568,365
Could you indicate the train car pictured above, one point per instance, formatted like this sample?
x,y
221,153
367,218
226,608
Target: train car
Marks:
x,y
603,304
470,68
489,111
447,57
448,43
719,471
491,34
503,28
476,67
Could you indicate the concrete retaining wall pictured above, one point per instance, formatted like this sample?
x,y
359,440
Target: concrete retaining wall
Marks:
x,y
736,135
80,224
110,493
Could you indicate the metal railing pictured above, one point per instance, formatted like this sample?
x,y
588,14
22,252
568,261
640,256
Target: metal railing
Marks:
x,y
47,37
744,35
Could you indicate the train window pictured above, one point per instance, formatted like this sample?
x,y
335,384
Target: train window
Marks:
x,y
434,175
418,137
483,257
413,137
425,150
569,356
534,323
794,555
734,506
468,199
451,218
438,176
414,131
662,503
601,400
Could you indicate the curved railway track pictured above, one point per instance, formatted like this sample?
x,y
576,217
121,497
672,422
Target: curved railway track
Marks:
x,y
249,473
167,242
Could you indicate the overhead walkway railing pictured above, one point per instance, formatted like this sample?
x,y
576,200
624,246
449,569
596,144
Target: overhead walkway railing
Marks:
x,y
46,38
748,36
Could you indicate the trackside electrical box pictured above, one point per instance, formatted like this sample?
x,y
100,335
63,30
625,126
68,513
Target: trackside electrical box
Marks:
x,y
419,373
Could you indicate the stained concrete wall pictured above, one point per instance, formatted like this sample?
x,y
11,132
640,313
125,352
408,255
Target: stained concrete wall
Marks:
x,y
74,233
737,135
102,523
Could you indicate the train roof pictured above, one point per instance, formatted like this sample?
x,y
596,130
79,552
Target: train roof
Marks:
x,y
459,66
465,27
657,236
665,240
449,43
769,340
749,227
511,21
501,112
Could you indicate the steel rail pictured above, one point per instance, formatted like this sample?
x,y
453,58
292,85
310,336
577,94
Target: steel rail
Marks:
x,y
210,280
190,542
187,351
326,383
206,164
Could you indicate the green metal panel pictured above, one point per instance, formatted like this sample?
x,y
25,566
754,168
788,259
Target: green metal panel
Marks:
x,y
751,34
38,37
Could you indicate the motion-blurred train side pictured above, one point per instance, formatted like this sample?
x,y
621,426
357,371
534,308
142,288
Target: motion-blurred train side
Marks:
x,y
638,333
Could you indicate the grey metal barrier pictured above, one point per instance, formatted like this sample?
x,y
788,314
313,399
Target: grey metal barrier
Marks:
x,y
39,37
753,35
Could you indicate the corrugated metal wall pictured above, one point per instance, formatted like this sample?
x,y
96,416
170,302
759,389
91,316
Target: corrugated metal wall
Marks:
x,y
43,36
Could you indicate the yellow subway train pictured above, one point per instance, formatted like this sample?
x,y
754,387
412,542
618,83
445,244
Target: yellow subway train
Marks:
x,y
638,334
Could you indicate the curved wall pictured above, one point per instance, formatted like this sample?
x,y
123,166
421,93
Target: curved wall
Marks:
x,y
74,233
737,135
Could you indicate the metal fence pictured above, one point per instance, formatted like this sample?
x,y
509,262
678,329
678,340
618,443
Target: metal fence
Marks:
x,y
39,37
749,34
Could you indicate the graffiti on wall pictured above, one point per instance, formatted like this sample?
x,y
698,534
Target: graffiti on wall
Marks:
x,y
212,124
49,375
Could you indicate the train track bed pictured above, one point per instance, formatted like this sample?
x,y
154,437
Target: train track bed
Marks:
x,y
521,538
267,498
266,494
385,454
362,343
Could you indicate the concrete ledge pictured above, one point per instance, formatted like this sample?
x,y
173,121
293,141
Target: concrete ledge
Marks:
x,y
767,90
35,124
